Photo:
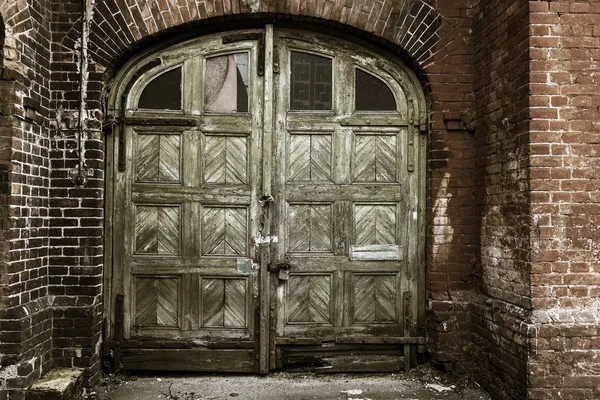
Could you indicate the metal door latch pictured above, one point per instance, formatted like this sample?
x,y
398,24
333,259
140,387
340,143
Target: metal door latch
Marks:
x,y
283,270
265,199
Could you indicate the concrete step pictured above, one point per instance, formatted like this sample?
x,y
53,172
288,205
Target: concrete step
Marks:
x,y
58,384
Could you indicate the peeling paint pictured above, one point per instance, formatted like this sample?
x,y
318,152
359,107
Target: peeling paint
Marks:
x,y
442,233
265,239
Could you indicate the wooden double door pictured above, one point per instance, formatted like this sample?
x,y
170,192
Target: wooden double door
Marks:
x,y
265,206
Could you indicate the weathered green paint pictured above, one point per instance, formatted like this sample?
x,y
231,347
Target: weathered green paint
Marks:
x,y
201,191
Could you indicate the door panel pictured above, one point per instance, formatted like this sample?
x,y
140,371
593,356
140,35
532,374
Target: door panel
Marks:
x,y
187,198
343,205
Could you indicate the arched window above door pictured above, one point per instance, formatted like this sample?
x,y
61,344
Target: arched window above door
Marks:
x,y
163,92
372,93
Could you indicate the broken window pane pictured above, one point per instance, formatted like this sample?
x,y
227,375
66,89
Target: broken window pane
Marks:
x,y
311,82
226,83
163,92
372,94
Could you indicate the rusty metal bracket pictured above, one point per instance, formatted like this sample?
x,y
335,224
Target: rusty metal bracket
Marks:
x,y
259,36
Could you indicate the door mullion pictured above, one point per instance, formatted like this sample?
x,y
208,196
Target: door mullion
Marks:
x,y
265,255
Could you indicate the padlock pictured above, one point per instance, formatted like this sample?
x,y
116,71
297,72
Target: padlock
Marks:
x,y
284,274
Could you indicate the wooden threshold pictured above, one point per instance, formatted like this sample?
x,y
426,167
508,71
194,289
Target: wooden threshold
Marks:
x,y
198,360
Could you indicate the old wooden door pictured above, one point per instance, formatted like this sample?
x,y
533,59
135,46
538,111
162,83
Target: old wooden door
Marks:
x,y
266,206
186,173
349,207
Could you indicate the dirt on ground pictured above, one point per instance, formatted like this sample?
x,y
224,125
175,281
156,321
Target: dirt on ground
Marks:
x,y
422,382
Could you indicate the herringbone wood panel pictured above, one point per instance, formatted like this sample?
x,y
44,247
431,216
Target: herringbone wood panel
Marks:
x,y
309,298
310,158
224,302
224,230
375,224
225,160
158,158
156,301
375,158
157,230
309,227
374,298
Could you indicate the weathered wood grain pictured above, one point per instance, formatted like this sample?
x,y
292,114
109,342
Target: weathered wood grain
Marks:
x,y
310,157
375,224
219,360
157,230
224,230
374,298
156,301
308,298
309,228
375,158
225,159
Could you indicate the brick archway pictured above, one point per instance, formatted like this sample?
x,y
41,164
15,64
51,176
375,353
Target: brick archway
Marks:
x,y
413,26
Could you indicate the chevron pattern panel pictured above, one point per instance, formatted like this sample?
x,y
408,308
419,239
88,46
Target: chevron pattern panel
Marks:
x,y
156,301
158,158
374,298
375,158
225,160
310,157
157,230
375,224
224,230
309,298
224,303
309,227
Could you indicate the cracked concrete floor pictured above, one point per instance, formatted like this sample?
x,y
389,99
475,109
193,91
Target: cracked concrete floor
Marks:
x,y
423,382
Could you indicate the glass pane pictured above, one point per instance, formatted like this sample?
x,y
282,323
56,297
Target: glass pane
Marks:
x,y
311,82
163,92
226,83
372,94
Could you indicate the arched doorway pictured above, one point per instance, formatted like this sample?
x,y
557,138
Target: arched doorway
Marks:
x,y
266,206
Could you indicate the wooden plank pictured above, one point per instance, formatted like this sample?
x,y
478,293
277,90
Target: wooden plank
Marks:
x,y
376,252
317,355
298,341
379,340
160,121
362,363
231,345
374,120
218,360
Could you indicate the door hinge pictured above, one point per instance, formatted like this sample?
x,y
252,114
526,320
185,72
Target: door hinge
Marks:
x,y
259,36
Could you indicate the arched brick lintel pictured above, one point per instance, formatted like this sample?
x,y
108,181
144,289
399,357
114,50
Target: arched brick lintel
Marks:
x,y
411,27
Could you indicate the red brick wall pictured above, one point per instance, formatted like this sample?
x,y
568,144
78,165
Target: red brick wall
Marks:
x,y
25,314
452,215
76,227
500,308
565,185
